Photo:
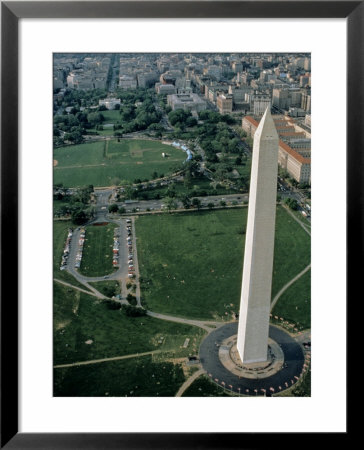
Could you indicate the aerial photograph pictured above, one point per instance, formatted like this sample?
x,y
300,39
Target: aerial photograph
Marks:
x,y
181,224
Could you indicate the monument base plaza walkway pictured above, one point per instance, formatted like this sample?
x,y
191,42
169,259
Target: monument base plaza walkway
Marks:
x,y
222,364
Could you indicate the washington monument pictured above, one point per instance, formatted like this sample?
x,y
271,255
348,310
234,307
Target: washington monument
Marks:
x,y
252,340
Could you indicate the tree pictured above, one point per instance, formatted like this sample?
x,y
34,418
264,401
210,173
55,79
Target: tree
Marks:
x,y
128,191
179,117
113,208
291,203
95,118
109,291
84,193
210,205
196,202
186,201
171,191
191,121
170,204
121,210
112,304
133,311
79,217
131,299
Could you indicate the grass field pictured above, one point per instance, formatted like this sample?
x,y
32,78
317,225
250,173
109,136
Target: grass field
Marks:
x,y
137,377
295,303
79,317
101,163
97,251
191,263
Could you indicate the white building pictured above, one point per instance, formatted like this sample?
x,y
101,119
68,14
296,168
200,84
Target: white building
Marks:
x,y
259,103
109,103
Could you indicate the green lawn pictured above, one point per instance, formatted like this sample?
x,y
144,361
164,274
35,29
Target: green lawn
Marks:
x,y
185,262
292,251
65,306
111,116
97,251
79,317
191,263
77,156
295,303
102,163
137,377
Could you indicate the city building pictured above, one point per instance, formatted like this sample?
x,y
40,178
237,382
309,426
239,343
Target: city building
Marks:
x,y
259,103
127,82
283,98
189,102
224,103
289,159
166,89
306,101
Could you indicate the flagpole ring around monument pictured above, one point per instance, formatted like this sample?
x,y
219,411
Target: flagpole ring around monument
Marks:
x,y
282,369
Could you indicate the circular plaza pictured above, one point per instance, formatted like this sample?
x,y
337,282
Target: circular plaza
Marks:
x,y
220,358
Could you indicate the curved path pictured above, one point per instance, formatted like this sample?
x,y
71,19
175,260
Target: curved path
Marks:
x,y
286,286
279,381
189,381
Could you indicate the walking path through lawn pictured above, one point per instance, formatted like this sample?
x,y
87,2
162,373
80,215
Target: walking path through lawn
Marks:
x,y
205,324
286,286
297,220
189,381
95,292
115,358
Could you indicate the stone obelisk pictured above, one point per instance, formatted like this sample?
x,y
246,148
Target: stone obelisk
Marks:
x,y
253,331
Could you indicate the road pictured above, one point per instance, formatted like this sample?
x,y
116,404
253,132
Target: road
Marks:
x,y
156,205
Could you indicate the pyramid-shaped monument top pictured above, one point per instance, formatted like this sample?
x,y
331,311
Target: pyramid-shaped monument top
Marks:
x,y
266,128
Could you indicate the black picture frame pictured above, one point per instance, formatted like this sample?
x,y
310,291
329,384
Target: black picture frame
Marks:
x,y
11,12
